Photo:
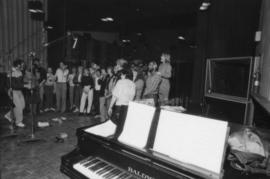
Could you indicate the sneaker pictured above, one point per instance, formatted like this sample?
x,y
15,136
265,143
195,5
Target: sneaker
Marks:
x,y
76,110
52,109
55,119
43,124
63,118
20,125
46,110
80,114
41,111
7,116
97,116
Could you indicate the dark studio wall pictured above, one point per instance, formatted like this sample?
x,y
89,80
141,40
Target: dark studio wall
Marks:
x,y
264,52
19,33
56,17
226,29
151,43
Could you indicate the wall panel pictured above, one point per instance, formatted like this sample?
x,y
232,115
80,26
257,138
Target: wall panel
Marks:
x,y
265,50
19,34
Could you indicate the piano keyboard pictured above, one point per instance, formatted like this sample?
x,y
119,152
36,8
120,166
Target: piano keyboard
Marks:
x,y
97,168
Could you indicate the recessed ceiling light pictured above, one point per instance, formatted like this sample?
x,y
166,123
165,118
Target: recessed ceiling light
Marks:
x,y
32,10
107,19
125,41
181,38
206,4
202,8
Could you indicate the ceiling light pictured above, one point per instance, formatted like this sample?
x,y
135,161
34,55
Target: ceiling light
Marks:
x,y
35,6
125,41
202,8
32,10
48,25
181,38
107,19
206,4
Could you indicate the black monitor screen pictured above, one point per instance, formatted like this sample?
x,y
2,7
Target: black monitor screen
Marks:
x,y
230,77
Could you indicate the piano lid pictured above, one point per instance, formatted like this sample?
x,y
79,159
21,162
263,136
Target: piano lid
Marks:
x,y
192,140
137,125
105,129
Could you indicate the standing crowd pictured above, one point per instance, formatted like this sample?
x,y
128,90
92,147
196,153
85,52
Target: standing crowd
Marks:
x,y
102,92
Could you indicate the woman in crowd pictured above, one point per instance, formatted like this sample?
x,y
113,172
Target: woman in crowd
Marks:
x,y
139,82
111,81
77,88
87,92
102,105
71,88
49,90
123,92
165,71
97,76
152,83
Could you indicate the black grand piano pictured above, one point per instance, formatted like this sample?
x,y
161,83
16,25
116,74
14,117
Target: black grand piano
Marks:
x,y
99,157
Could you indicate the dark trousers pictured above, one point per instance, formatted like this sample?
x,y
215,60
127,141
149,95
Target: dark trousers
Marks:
x,y
48,96
77,95
96,101
119,118
61,96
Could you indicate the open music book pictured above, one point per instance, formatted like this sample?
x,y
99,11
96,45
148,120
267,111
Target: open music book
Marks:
x,y
137,125
105,129
192,140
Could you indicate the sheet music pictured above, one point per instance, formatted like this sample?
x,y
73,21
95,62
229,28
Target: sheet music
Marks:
x,y
105,129
191,139
137,125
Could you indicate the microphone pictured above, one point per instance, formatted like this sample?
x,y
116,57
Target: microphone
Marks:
x,y
75,42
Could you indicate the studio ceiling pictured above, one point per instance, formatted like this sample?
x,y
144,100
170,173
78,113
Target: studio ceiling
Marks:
x,y
130,15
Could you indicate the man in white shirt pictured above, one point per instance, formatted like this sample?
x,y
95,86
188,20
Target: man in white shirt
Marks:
x,y
123,92
61,87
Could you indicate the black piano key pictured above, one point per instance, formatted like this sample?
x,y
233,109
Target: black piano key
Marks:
x,y
110,173
109,168
114,173
94,165
124,176
91,162
133,177
86,160
99,166
118,173
103,169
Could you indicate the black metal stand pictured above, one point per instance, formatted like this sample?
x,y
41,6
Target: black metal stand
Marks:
x,y
12,132
32,138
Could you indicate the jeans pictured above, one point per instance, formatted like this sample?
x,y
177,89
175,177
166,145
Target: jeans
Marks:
x,y
18,100
89,97
48,96
102,109
71,96
61,96
77,95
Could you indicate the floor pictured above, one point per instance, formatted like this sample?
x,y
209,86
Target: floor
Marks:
x,y
39,160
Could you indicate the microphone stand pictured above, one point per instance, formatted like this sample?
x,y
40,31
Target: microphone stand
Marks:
x,y
12,129
32,138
